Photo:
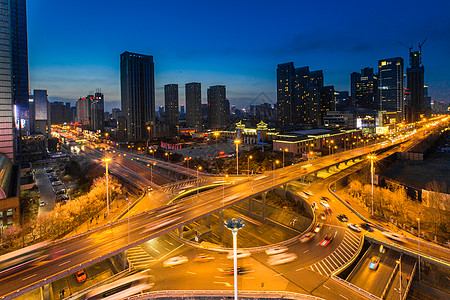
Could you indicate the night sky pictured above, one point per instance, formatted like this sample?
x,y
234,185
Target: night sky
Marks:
x,y
74,46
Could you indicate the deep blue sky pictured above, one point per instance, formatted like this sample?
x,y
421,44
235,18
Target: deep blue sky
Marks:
x,y
74,46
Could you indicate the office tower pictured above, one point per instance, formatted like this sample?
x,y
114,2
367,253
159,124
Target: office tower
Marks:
x,y
137,82
366,89
343,100
116,113
286,108
307,96
59,112
415,84
41,108
218,107
171,107
390,84
355,77
327,101
193,94
97,111
182,110
84,112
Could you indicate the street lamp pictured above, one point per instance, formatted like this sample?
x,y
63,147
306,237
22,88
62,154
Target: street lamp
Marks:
x,y
399,262
285,150
276,162
148,139
198,168
418,223
237,142
234,225
106,160
372,158
248,163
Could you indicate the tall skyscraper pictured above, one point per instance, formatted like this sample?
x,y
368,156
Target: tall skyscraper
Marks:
x,y
171,107
97,111
307,96
41,110
137,82
355,77
415,107
314,100
327,101
218,107
390,84
286,107
366,89
193,94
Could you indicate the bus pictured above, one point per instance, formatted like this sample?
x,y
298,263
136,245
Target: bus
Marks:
x,y
123,287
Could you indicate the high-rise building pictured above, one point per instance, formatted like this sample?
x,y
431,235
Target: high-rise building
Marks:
x,y
307,96
355,77
60,112
137,81
314,100
97,111
343,100
41,116
415,105
193,94
171,107
327,101
84,112
218,107
366,89
116,113
390,84
286,108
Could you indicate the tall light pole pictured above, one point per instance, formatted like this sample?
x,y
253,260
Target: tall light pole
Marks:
x,y
237,142
418,223
285,150
399,262
198,168
106,160
148,139
276,162
248,163
234,225
372,158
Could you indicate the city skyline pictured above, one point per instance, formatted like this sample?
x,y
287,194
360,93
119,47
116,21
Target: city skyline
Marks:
x,y
238,48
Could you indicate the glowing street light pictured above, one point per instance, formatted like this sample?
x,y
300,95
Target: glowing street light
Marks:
x,y
234,225
399,262
198,168
237,142
106,160
418,223
276,162
248,163
372,158
285,150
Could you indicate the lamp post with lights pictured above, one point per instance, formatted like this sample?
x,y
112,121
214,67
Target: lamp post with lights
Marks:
x,y
237,142
198,168
248,163
234,225
418,233
372,170
106,160
276,162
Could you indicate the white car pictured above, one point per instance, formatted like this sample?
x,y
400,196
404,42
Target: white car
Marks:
x,y
303,195
239,254
42,203
282,258
308,193
276,250
354,227
395,237
325,203
176,260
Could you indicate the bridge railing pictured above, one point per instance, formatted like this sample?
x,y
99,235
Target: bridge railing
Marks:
x,y
220,294
355,288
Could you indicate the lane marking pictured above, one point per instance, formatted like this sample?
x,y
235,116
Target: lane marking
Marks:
x,y
64,263
298,269
94,251
306,251
220,282
169,242
189,272
343,296
29,277
279,274
326,286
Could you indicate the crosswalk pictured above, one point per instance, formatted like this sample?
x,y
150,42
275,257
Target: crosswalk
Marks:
x,y
340,256
190,184
139,258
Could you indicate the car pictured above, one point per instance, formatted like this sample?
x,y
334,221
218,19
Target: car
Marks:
x,y
80,276
56,183
307,237
317,227
240,271
174,261
303,195
42,203
308,193
374,262
203,257
276,250
342,218
60,191
62,197
395,237
49,170
322,216
282,258
239,254
53,179
325,203
314,205
367,226
325,198
329,211
326,240
354,227
149,189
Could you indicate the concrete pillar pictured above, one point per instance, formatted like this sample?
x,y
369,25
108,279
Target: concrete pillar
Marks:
x,y
208,221
180,231
264,205
221,224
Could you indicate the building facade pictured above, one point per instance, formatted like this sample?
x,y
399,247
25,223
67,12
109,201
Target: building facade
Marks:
x,y
286,107
137,82
415,106
171,107
193,94
41,116
390,84
218,107
365,89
